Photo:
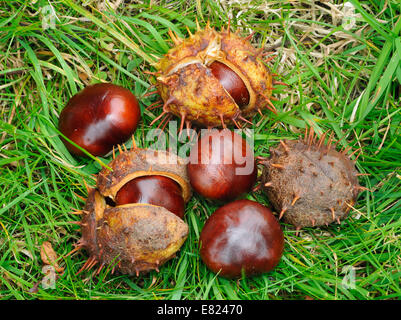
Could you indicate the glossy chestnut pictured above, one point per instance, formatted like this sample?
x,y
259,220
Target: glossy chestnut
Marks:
x,y
222,165
231,82
99,117
241,237
156,190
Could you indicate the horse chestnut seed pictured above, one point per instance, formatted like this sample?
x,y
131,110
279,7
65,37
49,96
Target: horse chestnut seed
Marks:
x,y
99,117
241,237
231,82
222,165
156,190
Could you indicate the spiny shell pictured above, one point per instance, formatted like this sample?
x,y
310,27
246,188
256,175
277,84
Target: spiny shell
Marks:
x,y
135,237
189,89
310,183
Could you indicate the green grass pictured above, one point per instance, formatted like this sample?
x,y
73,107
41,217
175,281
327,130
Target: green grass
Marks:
x,y
348,81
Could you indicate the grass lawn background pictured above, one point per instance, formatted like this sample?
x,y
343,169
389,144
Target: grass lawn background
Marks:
x,y
344,73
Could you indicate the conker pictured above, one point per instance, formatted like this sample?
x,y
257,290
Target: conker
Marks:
x,y
156,190
99,117
214,79
222,165
134,238
231,82
241,237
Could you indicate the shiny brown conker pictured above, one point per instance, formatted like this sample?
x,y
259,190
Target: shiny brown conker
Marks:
x,y
156,190
98,117
241,237
222,165
231,82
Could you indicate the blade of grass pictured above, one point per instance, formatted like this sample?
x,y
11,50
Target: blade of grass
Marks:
x,y
118,36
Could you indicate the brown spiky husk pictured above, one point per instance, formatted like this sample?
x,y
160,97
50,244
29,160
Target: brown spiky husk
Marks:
x,y
133,237
310,183
188,88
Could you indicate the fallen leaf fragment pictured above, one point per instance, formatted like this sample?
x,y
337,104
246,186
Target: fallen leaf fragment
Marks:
x,y
49,256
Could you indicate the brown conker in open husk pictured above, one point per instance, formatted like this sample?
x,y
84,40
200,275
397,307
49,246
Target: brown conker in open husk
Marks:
x,y
310,183
136,237
213,78
157,190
